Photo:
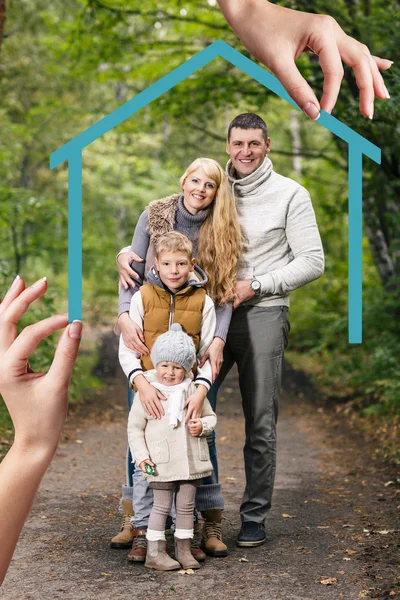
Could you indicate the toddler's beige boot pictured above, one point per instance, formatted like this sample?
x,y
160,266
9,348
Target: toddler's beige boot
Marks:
x,y
184,555
157,557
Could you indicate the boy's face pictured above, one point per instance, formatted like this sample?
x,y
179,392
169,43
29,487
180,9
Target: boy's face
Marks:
x,y
170,373
174,269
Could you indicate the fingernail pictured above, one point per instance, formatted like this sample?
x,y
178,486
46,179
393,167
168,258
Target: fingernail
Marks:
x,y
386,92
14,283
311,111
371,111
75,330
39,281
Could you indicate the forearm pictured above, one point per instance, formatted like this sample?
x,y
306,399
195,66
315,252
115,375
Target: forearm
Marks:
x,y
301,270
223,314
128,359
21,472
236,12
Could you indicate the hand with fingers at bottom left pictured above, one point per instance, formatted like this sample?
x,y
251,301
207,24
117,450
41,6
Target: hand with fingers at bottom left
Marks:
x,y
37,403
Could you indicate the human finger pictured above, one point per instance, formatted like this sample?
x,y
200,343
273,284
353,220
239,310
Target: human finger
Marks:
x,y
122,283
134,256
332,68
139,347
296,86
160,396
141,335
188,413
149,410
358,60
12,314
380,88
383,63
66,354
155,404
17,286
28,340
204,358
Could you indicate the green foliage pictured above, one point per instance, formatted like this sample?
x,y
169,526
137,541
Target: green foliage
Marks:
x,y
66,64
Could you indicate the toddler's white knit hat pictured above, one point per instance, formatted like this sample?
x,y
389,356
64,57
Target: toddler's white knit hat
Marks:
x,y
175,346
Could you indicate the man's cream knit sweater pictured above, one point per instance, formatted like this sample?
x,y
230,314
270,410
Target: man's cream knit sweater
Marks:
x,y
283,246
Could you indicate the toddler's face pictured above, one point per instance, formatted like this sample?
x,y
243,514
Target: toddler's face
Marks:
x,y
170,373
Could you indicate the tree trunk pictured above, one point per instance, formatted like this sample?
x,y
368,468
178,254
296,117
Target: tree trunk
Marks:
x,y
3,6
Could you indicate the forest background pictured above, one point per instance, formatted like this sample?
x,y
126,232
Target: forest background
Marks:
x,y
66,64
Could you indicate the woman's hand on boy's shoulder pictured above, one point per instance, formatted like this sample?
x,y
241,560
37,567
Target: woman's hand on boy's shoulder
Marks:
x,y
132,334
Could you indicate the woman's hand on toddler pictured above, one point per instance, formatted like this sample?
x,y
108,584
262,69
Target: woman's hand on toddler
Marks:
x,y
150,397
194,403
145,462
195,427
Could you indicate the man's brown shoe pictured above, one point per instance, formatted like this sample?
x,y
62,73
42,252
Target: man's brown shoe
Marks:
x,y
211,542
123,539
139,545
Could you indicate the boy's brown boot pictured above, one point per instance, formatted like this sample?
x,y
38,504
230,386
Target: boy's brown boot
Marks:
x,y
157,557
139,545
184,555
123,539
211,542
195,549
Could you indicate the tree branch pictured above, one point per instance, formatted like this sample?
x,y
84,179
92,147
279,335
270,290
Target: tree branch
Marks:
x,y
157,14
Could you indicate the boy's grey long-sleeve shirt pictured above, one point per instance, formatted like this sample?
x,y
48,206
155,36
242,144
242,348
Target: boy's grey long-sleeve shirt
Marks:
x,y
283,248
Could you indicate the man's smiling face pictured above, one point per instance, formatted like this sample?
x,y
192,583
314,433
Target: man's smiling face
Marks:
x,y
247,149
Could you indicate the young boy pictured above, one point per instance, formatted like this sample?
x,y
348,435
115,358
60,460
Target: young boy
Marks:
x,y
174,293
167,452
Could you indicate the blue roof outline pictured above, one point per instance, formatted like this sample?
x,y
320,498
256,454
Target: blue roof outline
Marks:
x,y
72,152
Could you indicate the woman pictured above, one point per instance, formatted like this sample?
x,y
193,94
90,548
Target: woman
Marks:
x,y
205,212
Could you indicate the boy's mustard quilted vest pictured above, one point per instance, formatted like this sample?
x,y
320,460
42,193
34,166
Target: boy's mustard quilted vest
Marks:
x,y
162,309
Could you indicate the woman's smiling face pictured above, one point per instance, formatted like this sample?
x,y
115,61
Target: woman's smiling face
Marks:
x,y
198,191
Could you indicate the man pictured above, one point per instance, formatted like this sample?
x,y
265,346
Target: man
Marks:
x,y
283,251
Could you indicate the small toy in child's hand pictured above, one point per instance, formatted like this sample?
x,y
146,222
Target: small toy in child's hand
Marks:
x,y
149,469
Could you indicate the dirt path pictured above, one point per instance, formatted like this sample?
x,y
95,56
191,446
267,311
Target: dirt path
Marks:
x,y
332,516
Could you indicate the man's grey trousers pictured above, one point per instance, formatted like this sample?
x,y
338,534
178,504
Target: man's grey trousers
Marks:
x,y
256,341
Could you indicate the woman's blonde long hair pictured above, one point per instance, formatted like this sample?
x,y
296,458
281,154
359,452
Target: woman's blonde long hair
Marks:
x,y
220,242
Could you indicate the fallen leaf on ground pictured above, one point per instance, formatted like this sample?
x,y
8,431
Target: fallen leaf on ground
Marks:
x,y
345,558
389,483
186,572
286,516
328,580
351,552
106,574
385,531
243,559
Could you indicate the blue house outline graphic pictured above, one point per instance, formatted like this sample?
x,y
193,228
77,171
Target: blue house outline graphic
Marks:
x,y
357,147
